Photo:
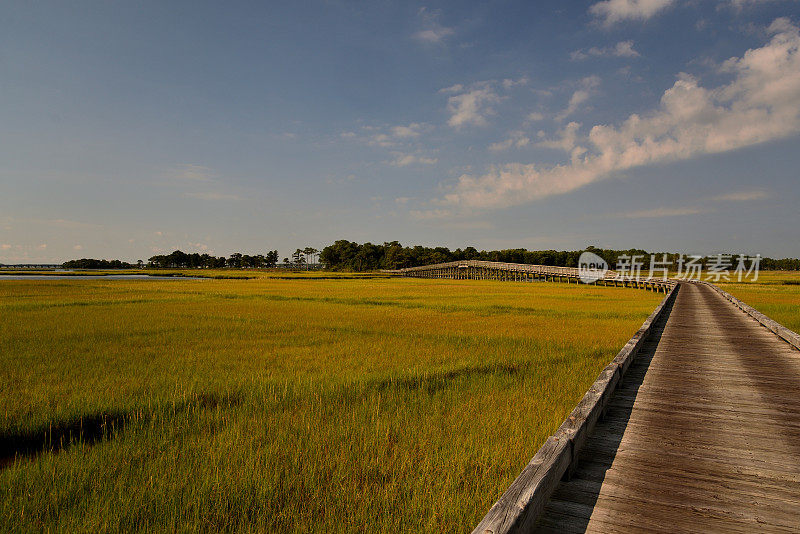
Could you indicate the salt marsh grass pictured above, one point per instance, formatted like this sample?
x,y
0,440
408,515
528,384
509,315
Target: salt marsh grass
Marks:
x,y
306,404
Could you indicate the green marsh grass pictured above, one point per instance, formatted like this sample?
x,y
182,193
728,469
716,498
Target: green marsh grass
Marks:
x,y
301,404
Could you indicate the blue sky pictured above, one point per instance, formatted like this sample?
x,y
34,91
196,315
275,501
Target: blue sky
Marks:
x,y
131,129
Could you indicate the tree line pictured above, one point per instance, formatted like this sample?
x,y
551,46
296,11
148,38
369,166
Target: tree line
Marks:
x,y
346,255
91,263
179,259
351,256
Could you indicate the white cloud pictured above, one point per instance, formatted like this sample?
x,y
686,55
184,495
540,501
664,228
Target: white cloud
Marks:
x,y
535,116
456,88
662,212
780,25
42,246
5,246
739,5
612,11
472,107
391,136
433,35
190,172
382,140
625,49
580,96
516,139
738,196
412,130
77,247
621,49
404,160
432,31
741,196
760,104
566,138
508,83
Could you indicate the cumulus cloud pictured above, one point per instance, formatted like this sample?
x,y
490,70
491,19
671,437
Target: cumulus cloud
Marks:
x,y
432,31
587,87
471,107
404,160
612,11
516,139
388,136
455,88
508,83
472,104
566,138
433,35
621,49
739,5
382,140
412,130
761,103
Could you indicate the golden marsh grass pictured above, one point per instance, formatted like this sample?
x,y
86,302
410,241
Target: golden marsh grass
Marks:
x,y
305,404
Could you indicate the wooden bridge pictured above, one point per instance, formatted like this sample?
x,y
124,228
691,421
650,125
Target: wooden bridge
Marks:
x,y
31,266
703,435
520,272
693,427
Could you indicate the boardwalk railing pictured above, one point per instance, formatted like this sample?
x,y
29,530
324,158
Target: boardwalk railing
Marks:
x,y
789,336
520,506
521,272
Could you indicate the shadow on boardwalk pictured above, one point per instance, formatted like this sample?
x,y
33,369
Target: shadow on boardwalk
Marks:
x,y
625,400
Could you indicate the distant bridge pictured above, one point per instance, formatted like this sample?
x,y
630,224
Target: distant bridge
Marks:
x,y
521,272
31,266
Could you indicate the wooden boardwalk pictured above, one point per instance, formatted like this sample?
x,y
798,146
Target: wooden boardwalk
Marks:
x,y
523,272
703,435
